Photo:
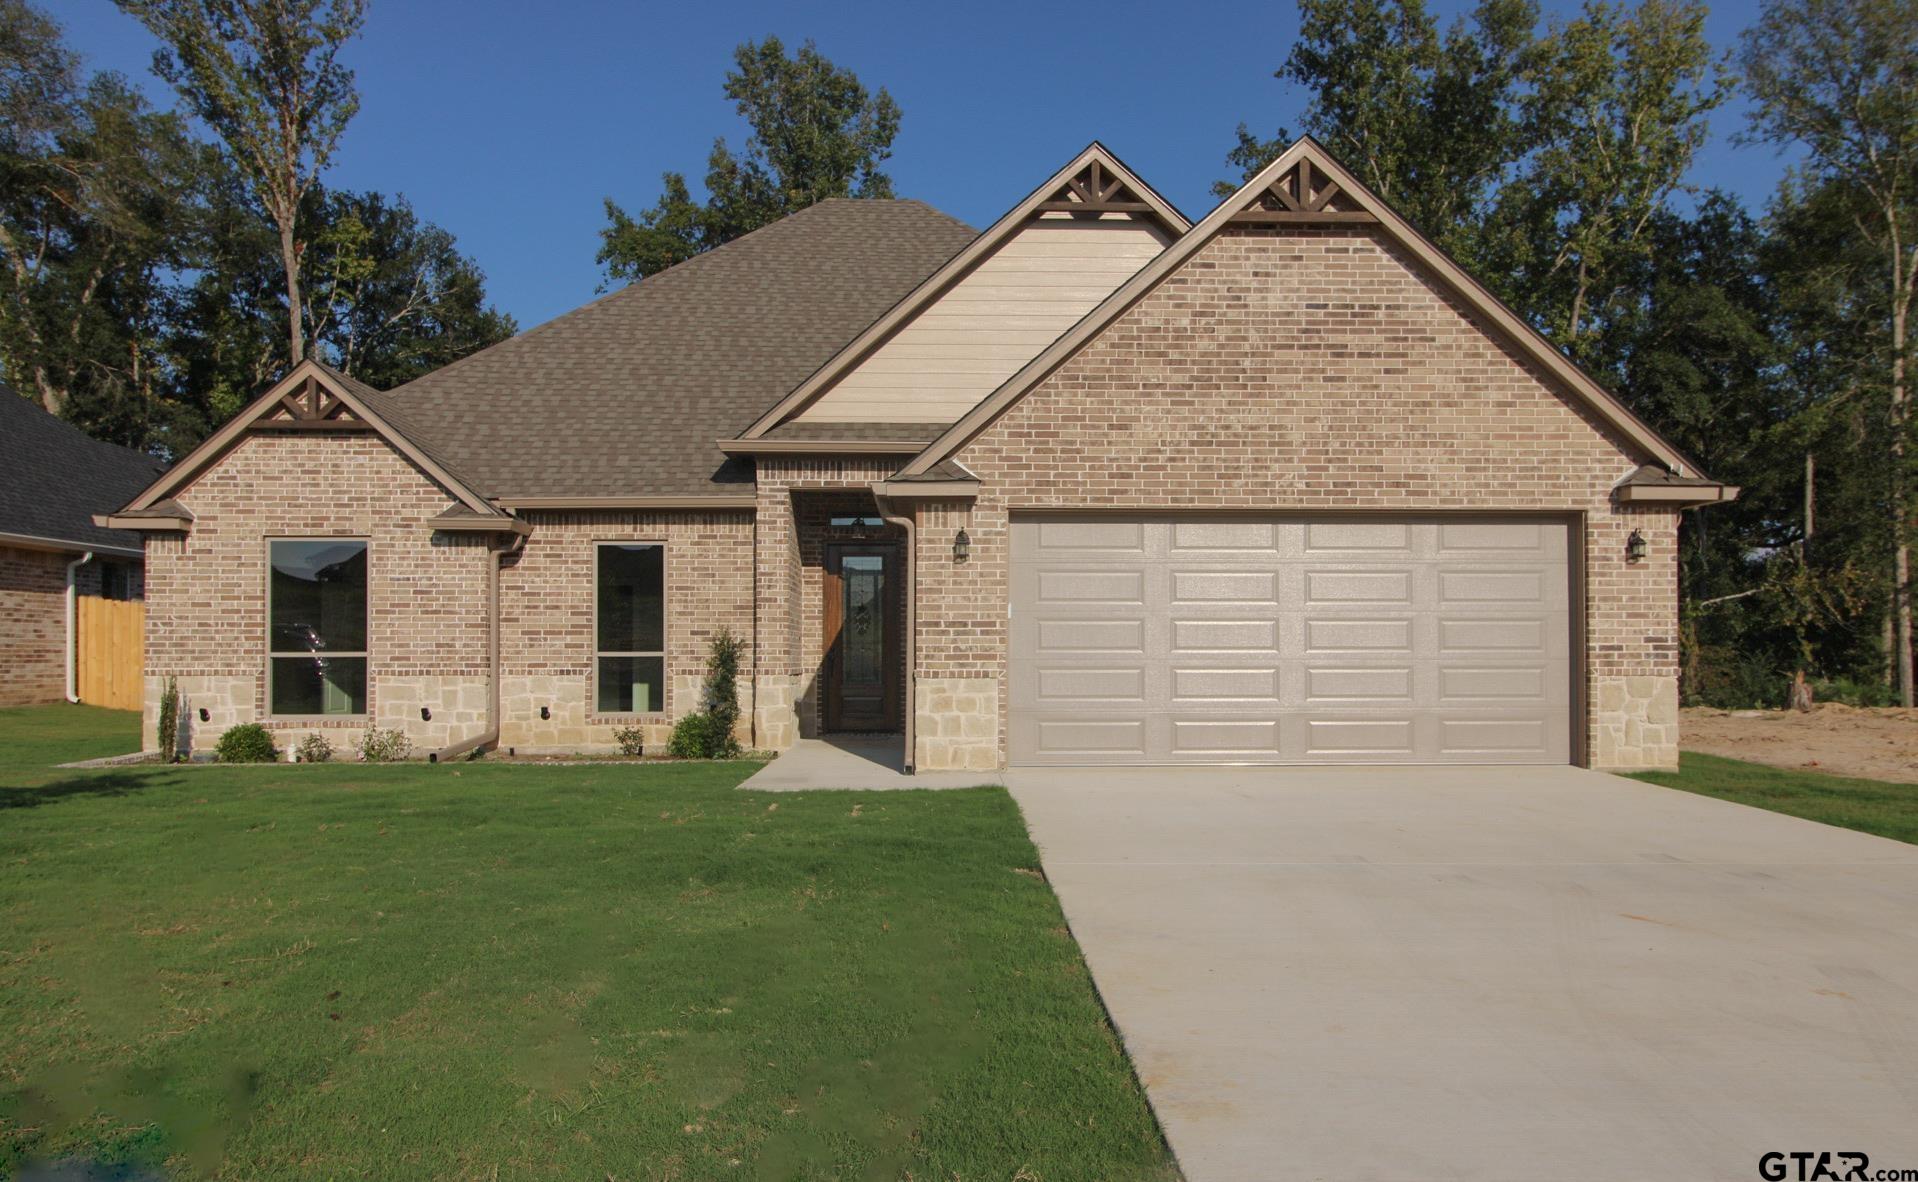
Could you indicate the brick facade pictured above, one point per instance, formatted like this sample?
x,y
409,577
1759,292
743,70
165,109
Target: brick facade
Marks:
x,y
206,593
547,622
1310,371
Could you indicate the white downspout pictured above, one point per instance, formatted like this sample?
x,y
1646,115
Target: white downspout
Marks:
x,y
73,693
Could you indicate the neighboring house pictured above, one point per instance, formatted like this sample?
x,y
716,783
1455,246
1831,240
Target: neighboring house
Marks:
x,y
53,480
1094,486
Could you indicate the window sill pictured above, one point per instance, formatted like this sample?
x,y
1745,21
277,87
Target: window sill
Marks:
x,y
316,719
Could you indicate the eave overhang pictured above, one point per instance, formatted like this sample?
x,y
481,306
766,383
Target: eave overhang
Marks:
x,y
67,545
723,501
817,447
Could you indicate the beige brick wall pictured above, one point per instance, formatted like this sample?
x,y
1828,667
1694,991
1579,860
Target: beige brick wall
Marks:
x,y
796,497
547,622
206,593
1312,371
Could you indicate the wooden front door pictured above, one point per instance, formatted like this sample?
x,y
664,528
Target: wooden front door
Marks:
x,y
862,638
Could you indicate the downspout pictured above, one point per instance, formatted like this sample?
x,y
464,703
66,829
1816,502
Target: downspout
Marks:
x,y
906,523
73,692
490,736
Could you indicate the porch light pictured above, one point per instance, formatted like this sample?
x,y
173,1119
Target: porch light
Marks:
x,y
961,546
545,713
425,714
1635,547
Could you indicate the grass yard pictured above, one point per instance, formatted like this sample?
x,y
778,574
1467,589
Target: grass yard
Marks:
x,y
605,972
1871,806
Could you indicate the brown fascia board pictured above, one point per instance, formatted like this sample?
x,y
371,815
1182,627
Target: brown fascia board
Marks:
x,y
813,447
955,269
632,502
68,546
1679,496
477,524
220,442
1476,296
906,490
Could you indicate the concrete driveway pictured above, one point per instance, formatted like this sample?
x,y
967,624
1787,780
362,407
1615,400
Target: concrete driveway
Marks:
x,y
1538,974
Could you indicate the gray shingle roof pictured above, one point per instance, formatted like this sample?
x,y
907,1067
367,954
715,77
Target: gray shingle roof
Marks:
x,y
629,394
54,478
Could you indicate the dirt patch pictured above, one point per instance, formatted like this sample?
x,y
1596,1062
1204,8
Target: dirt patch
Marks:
x,y
1877,744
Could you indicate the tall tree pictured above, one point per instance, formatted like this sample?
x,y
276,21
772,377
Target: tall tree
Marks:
x,y
1840,79
816,133
391,297
1616,109
1428,120
265,76
96,193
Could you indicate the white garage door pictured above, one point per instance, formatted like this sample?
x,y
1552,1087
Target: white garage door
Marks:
x,y
1163,640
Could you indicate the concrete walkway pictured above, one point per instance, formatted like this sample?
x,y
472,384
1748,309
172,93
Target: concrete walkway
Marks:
x,y
873,764
1539,974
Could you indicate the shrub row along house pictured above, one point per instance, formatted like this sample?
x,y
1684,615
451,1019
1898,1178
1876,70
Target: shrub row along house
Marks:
x,y
1097,485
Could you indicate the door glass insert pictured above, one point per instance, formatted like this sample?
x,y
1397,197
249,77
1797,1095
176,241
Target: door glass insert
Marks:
x,y
864,635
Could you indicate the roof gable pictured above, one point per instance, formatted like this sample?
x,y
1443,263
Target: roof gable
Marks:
x,y
311,398
1306,186
1123,223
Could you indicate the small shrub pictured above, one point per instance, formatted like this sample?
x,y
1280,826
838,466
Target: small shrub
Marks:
x,y
631,739
1855,693
692,737
169,723
247,743
384,746
315,748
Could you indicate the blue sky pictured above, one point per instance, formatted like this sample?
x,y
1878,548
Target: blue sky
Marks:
x,y
508,121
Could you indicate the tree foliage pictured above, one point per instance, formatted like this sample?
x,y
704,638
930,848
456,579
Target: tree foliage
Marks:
x,y
143,287
265,76
816,133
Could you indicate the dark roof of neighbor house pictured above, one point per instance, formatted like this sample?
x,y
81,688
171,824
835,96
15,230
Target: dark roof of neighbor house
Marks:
x,y
630,394
54,477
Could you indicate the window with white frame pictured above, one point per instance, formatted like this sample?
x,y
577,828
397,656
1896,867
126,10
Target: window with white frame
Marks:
x,y
630,630
316,633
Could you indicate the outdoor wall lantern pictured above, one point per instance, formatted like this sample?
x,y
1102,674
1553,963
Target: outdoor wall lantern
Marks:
x,y
961,546
1635,547
204,716
544,713
425,714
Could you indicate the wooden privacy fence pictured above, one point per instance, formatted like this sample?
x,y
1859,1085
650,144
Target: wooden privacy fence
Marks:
x,y
110,640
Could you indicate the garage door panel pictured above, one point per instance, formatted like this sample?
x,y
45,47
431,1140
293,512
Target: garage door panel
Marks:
x,y
1220,586
1367,539
1290,641
1383,683
1197,539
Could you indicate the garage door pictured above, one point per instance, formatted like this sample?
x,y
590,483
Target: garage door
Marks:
x,y
1173,641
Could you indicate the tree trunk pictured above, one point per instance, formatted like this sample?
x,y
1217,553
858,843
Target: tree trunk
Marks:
x,y
1900,510
290,259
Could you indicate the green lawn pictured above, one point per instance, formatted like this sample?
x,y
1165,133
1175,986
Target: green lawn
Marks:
x,y
555,972
1872,806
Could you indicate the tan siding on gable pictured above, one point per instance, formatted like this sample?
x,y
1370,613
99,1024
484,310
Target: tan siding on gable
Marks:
x,y
991,323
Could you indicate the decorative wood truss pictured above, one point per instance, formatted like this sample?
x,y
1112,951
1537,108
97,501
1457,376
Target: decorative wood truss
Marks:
x,y
1094,192
1303,196
309,406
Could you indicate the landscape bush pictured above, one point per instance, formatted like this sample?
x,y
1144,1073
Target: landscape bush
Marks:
x,y
384,745
315,748
247,743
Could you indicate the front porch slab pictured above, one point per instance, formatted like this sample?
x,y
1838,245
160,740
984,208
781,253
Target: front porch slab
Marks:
x,y
874,764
